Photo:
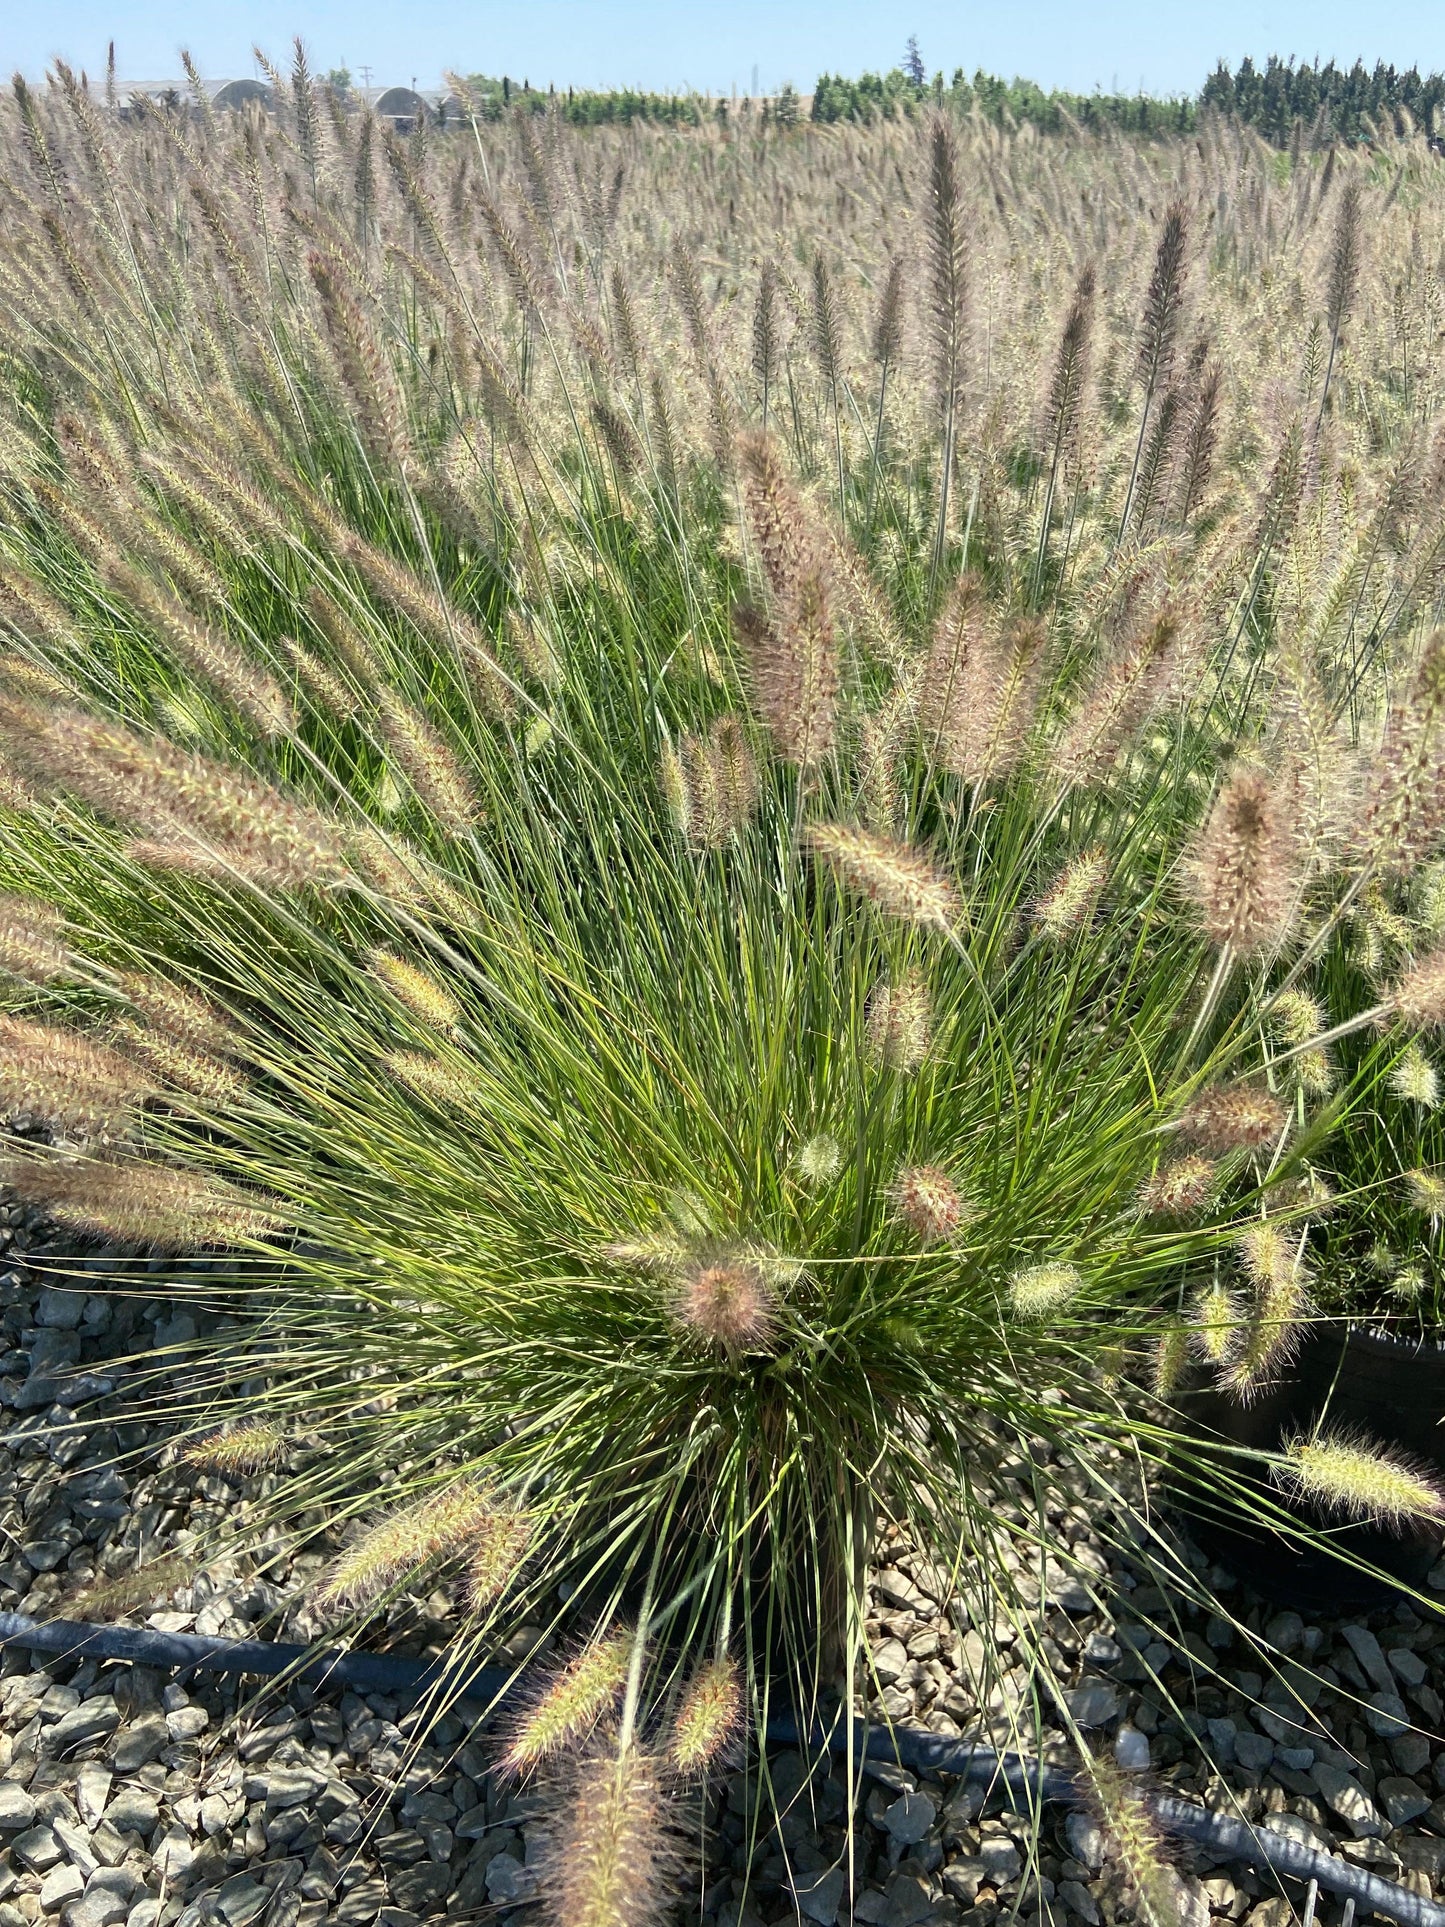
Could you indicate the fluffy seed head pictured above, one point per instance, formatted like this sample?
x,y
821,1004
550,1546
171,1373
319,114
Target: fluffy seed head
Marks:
x,y
900,880
416,988
710,1719
1314,1072
657,1251
79,1085
178,1067
1136,1852
609,1865
142,1586
152,1206
1296,1018
1426,1191
726,1304
1170,1362
820,1160
249,1447
1218,1315
1041,1289
1414,1078
899,1022
1273,1261
792,657
1243,873
571,1705
497,1550
191,811
929,1203
1419,997
1069,902
1244,1116
1407,1286
180,1013
31,945
434,1078
1179,1188
1349,1475
446,1523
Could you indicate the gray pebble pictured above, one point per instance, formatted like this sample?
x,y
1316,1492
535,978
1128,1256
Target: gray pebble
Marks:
x,y
1285,1632
92,1790
93,1719
1402,1800
1093,1702
133,1810
17,1809
58,1886
910,1818
507,1879
1385,1714
39,1850
1344,1795
1253,1750
1407,1666
1086,1840
1366,1649
140,1742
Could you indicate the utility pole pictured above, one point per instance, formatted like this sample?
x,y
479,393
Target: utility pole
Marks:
x,y
365,73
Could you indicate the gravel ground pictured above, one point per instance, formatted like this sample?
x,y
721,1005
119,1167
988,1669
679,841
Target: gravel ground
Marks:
x,y
137,1798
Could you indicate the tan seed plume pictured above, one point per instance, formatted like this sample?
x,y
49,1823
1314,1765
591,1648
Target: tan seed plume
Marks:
x,y
151,1206
1243,875
900,880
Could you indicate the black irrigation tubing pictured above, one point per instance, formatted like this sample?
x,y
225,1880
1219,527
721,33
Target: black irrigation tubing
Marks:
x,y
1019,1778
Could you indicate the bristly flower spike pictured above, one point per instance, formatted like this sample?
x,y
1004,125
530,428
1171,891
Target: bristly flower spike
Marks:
x,y
609,1864
900,880
1218,1316
900,1022
1419,997
1414,1078
1426,1191
819,1161
571,1705
31,945
724,1302
1040,1290
1070,901
1244,1116
709,1721
1136,1851
1243,873
1349,1475
240,1450
445,1523
930,1203
1179,1188
416,988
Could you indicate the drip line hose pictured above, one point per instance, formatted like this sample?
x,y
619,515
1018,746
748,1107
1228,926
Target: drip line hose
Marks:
x,y
1012,1775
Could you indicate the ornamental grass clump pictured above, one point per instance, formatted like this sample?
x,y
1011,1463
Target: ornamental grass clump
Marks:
x,y
705,979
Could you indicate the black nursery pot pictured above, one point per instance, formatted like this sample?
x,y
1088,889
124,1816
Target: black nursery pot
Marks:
x,y
1390,1388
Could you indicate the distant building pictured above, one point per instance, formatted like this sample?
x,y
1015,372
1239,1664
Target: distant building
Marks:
x,y
403,107
240,93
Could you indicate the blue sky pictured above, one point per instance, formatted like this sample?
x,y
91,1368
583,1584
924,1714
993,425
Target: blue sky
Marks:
x,y
665,44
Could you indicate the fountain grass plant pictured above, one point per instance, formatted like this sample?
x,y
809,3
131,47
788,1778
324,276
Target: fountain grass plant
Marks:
x,y
712,982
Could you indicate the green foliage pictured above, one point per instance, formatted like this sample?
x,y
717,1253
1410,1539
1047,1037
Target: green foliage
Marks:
x,y
1327,102
583,107
1006,103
